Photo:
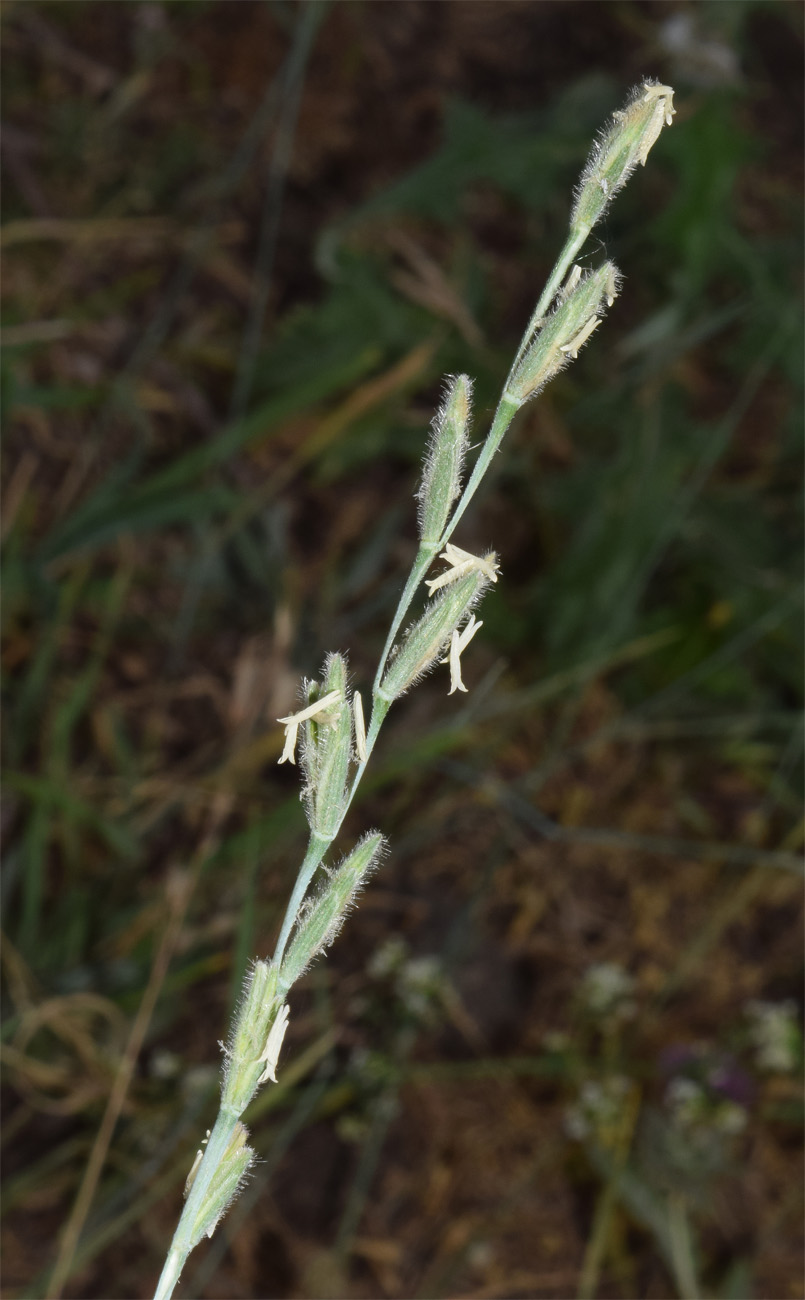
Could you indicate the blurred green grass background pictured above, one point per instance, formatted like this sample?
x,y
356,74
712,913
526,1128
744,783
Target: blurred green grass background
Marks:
x,y
242,244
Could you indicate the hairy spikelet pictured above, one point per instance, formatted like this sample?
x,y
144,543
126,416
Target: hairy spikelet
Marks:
x,y
326,753
565,330
322,917
427,638
444,458
623,143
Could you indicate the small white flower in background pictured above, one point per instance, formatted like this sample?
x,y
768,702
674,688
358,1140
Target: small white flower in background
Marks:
x,y
293,721
419,986
556,1041
687,1102
607,990
458,643
598,1110
418,981
775,1035
388,957
731,1117
703,58
705,1120
481,1256
165,1064
273,1047
462,563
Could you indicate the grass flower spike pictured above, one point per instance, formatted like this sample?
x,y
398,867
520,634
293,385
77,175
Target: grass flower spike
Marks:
x,y
621,146
428,637
562,333
441,477
335,742
326,753
229,1180
245,1054
623,143
321,919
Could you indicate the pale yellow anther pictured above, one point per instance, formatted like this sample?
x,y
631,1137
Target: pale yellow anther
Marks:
x,y
360,727
462,563
271,1051
572,348
663,97
571,282
289,748
666,95
191,1177
456,684
292,722
458,644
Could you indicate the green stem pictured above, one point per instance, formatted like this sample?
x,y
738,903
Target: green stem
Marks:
x,y
380,707
506,410
682,1250
504,415
170,1274
183,1241
423,561
573,244
507,407
316,849
318,846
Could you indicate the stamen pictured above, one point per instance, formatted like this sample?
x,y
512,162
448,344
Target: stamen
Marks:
x,y
572,348
456,683
463,562
458,644
291,723
289,748
273,1046
360,728
571,281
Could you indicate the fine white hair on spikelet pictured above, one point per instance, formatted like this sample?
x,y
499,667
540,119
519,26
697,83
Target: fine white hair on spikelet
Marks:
x,y
444,458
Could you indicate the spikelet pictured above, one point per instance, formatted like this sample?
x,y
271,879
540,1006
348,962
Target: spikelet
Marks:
x,y
326,753
227,1181
428,637
245,1055
441,476
622,144
564,331
323,917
